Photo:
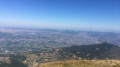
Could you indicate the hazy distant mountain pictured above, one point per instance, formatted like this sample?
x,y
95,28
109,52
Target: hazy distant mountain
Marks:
x,y
99,51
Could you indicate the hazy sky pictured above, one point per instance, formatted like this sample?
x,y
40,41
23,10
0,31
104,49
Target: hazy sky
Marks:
x,y
68,14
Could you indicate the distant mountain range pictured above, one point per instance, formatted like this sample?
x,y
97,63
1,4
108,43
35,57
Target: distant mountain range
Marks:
x,y
95,51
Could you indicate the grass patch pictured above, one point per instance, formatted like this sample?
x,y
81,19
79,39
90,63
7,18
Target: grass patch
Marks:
x,y
82,63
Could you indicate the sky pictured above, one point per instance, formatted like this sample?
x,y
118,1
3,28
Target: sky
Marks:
x,y
61,14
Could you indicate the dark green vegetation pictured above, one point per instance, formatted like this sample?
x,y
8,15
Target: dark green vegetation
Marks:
x,y
98,51
15,61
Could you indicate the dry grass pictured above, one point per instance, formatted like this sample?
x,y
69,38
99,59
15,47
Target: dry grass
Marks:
x,y
82,63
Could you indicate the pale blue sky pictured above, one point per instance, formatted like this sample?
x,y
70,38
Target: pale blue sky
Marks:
x,y
61,14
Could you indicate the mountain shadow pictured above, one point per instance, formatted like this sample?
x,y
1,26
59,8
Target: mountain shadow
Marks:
x,y
99,51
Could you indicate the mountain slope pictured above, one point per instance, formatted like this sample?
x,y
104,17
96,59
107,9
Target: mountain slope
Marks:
x,y
82,63
99,51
